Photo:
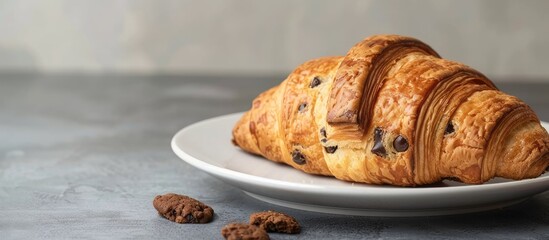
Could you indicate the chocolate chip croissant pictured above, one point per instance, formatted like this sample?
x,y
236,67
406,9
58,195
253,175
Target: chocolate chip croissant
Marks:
x,y
393,112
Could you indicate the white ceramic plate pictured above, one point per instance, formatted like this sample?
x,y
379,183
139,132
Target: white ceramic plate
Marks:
x,y
207,146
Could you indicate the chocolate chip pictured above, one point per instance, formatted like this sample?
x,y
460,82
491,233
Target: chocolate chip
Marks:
x,y
315,82
298,157
378,134
330,149
400,144
378,148
449,128
302,107
189,218
323,134
271,227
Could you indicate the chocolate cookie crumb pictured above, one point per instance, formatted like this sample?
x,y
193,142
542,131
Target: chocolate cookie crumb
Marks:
x,y
234,231
182,209
275,222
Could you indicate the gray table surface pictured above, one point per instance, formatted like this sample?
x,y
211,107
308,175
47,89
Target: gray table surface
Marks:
x,y
83,156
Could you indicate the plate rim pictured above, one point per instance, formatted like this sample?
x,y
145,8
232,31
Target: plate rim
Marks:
x,y
371,190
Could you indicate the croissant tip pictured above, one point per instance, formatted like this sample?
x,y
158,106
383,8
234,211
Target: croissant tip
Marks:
x,y
234,142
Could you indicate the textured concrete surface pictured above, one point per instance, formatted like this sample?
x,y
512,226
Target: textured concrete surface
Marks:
x,y
83,157
497,37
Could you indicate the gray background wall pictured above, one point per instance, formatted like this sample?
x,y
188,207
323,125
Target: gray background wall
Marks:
x,y
500,38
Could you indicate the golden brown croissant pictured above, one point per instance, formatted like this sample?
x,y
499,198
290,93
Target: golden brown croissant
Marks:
x,y
393,112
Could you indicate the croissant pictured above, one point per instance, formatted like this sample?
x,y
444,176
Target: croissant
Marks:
x,y
393,112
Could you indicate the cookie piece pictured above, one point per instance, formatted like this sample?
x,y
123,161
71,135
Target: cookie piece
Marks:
x,y
275,222
243,231
182,209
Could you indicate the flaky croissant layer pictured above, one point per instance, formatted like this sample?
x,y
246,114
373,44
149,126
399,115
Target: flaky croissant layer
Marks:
x,y
393,112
